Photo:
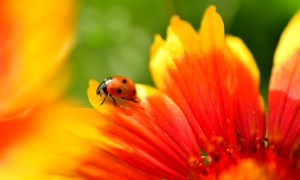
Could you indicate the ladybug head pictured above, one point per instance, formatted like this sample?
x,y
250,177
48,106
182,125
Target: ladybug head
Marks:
x,y
102,89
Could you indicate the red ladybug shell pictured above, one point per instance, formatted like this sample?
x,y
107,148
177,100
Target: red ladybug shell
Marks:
x,y
121,86
118,86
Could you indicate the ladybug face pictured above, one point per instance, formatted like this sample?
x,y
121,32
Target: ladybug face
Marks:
x,y
118,86
102,88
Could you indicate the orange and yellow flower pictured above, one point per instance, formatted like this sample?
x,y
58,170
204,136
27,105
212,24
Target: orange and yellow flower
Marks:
x,y
35,39
205,119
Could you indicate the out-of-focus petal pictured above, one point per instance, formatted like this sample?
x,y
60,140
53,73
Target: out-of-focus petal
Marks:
x,y
87,124
16,129
151,137
38,147
250,122
201,80
250,169
284,91
36,37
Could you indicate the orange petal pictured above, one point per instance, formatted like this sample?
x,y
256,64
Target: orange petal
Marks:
x,y
212,31
32,147
152,136
253,169
37,38
91,126
202,83
244,56
16,130
180,34
288,43
251,123
284,102
284,90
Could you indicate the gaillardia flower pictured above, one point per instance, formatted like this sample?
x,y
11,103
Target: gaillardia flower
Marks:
x,y
205,119
35,39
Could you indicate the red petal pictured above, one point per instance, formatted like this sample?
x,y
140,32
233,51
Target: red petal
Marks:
x,y
284,91
15,130
197,71
251,121
152,136
204,88
103,165
284,104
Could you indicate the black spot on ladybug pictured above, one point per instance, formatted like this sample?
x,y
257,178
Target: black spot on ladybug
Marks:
x,y
124,81
133,92
119,91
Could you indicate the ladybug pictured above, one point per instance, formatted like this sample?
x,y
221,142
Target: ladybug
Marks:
x,y
118,86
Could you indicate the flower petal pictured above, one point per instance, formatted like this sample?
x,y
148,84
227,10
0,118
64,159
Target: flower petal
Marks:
x,y
284,103
244,56
288,43
201,82
36,147
251,122
152,136
87,124
22,125
180,34
284,91
212,31
252,169
37,38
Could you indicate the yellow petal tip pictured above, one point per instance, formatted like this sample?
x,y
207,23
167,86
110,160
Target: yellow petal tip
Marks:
x,y
289,41
240,51
212,30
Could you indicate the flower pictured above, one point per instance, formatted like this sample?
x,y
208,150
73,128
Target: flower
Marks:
x,y
33,49
35,39
205,119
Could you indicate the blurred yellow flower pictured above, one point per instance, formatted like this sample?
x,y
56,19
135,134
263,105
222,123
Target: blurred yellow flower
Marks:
x,y
35,40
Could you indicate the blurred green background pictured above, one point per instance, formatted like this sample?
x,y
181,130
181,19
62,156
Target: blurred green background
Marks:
x,y
114,37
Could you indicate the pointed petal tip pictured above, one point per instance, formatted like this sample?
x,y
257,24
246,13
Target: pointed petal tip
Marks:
x,y
179,34
243,54
283,100
95,100
212,30
186,34
158,41
175,19
181,39
288,43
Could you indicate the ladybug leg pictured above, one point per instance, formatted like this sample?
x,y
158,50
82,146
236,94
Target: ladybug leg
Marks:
x,y
113,99
133,100
129,99
103,99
